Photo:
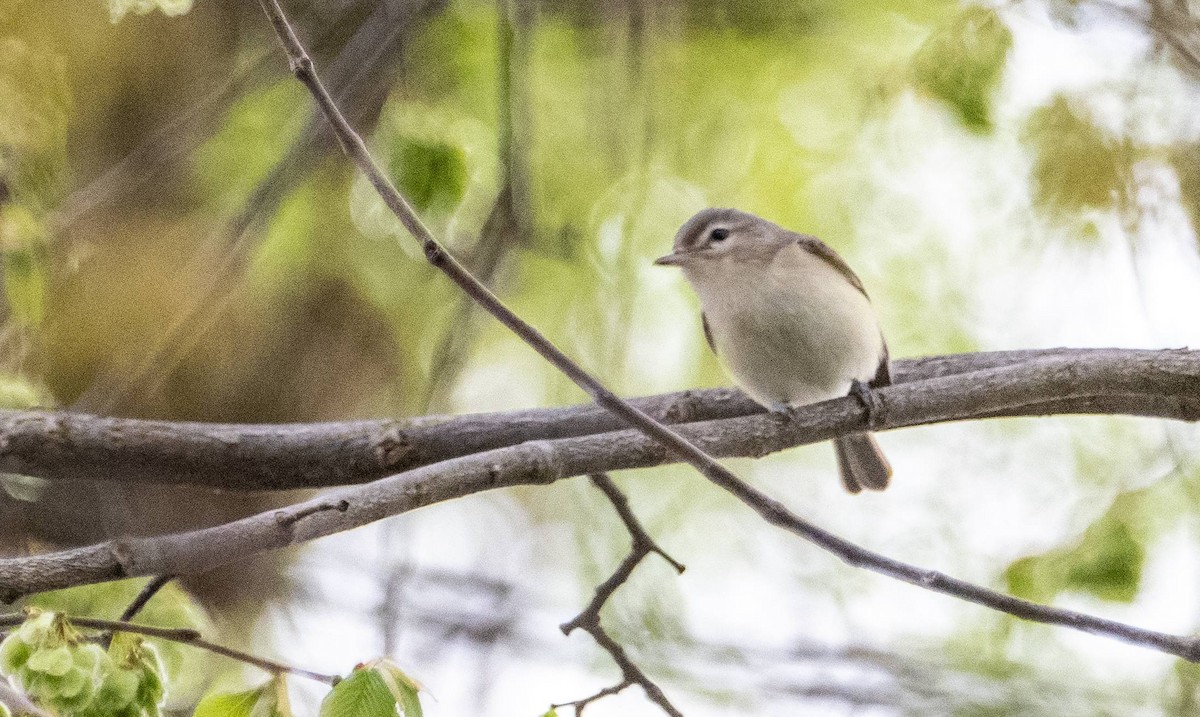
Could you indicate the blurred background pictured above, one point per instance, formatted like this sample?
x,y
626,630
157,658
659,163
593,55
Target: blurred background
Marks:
x,y
181,240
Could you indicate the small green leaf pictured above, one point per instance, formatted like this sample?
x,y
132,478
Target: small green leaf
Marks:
x,y
14,653
432,175
238,704
961,64
404,689
54,661
117,9
270,700
363,694
551,713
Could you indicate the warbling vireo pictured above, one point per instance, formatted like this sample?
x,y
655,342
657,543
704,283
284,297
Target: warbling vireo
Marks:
x,y
789,320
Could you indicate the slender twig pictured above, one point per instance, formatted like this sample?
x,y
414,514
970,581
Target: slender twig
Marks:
x,y
149,590
183,636
640,545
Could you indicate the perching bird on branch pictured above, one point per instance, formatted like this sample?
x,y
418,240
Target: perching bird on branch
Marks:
x,y
790,322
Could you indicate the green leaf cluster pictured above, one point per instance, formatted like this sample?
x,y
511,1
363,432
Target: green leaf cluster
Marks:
x,y
961,64
57,668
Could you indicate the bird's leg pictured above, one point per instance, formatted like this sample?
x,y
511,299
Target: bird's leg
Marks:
x,y
870,401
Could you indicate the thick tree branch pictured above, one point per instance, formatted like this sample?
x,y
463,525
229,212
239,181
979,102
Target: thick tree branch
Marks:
x,y
60,445
640,545
535,462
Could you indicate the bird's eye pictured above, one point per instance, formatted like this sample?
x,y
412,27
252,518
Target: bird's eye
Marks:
x,y
718,235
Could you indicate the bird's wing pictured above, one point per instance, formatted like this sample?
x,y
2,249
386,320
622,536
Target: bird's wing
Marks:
x,y
821,250
707,332
883,374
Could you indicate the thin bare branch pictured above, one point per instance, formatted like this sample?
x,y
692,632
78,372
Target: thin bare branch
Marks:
x,y
59,445
184,636
640,545
148,591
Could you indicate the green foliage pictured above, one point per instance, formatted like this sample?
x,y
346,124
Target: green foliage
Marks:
x,y
17,392
184,668
1077,165
1106,562
117,9
1186,160
961,64
375,689
551,713
51,662
269,700
251,140
36,99
23,244
432,175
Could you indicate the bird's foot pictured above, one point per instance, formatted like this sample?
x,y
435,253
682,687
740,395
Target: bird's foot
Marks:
x,y
782,412
870,401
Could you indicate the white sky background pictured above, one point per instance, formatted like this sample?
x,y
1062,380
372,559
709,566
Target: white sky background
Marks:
x,y
966,498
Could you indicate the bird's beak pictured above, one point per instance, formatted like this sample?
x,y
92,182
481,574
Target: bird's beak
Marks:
x,y
672,259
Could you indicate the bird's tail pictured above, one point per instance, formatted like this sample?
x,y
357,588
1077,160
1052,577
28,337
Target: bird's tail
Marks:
x,y
861,463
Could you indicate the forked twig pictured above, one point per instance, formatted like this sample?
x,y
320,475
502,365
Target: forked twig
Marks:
x,y
641,545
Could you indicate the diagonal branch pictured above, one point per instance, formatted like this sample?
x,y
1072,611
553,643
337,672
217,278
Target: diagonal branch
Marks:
x,y
641,545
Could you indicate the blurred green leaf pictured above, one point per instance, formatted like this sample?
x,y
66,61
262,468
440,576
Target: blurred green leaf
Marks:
x,y
117,9
36,98
1106,562
961,64
432,175
363,694
19,393
240,704
23,241
1186,160
253,139
270,700
1076,164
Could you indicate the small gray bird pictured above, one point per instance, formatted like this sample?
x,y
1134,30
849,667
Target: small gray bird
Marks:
x,y
789,320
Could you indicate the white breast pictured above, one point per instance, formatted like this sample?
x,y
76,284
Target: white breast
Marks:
x,y
793,332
